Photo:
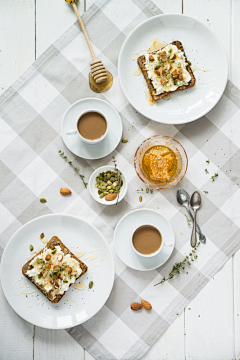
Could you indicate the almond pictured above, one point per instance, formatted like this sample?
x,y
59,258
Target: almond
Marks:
x,y
65,191
69,269
146,305
110,197
56,267
136,306
47,257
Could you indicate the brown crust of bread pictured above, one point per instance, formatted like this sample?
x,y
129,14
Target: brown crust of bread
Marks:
x,y
55,241
141,64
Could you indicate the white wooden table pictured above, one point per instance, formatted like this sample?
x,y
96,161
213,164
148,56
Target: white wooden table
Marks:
x,y
209,329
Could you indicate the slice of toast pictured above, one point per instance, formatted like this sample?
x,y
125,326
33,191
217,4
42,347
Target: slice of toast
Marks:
x,y
55,241
141,63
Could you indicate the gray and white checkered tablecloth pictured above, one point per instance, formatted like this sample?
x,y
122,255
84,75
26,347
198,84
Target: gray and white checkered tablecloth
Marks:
x,y
30,117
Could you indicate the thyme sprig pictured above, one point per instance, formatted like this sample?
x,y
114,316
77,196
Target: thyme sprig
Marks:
x,y
214,177
178,267
188,220
147,190
119,177
74,167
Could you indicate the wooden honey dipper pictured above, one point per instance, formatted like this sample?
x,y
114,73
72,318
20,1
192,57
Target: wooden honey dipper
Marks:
x,y
98,70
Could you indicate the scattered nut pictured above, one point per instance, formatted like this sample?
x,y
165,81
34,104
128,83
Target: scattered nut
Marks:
x,y
69,269
136,306
157,72
146,305
65,191
42,200
44,273
57,282
140,198
61,276
47,257
74,273
51,281
42,236
125,140
110,196
56,267
48,266
151,58
60,257
31,248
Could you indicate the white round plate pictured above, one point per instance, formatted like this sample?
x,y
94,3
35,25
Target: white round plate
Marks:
x,y
203,49
74,142
71,231
123,237
94,191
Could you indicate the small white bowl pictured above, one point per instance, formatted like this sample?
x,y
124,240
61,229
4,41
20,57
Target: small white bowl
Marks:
x,y
94,191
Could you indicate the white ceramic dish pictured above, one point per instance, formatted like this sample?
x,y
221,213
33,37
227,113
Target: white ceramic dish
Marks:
x,y
202,48
81,148
123,239
72,231
94,191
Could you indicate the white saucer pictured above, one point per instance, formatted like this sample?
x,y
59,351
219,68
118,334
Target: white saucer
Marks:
x,y
94,191
123,234
80,148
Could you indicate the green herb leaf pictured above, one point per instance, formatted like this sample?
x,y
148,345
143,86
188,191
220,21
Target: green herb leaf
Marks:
x,y
74,167
188,220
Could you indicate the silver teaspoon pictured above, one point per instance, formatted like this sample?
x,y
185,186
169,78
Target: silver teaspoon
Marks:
x,y
195,203
183,199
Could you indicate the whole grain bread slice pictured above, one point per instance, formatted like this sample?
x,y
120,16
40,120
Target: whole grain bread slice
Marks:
x,y
141,64
55,241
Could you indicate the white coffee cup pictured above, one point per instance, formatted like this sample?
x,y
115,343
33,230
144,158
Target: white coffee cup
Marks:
x,y
155,252
88,141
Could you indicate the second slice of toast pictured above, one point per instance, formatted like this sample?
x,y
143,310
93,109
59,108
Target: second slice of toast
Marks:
x,y
61,266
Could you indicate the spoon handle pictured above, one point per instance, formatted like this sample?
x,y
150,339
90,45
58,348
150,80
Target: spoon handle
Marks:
x,y
194,234
199,231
